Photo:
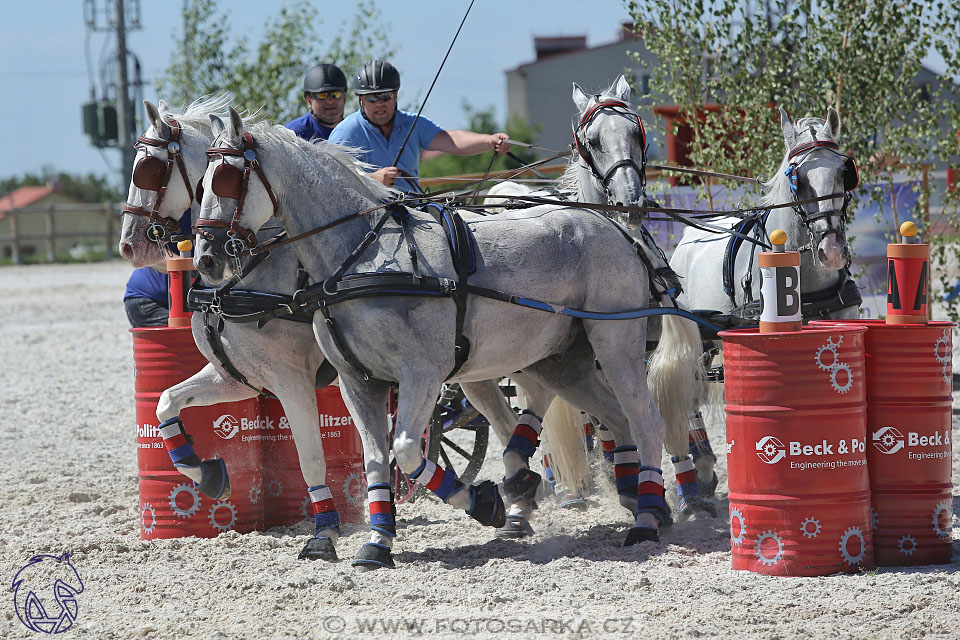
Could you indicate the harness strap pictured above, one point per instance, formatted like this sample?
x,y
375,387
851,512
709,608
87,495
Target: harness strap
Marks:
x,y
216,345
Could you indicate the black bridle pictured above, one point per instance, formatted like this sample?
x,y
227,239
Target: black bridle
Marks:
x,y
584,150
153,174
231,182
851,179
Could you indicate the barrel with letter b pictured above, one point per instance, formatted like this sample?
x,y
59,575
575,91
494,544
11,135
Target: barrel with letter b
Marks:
x,y
796,440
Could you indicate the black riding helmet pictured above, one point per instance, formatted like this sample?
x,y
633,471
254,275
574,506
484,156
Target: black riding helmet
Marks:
x,y
376,76
324,77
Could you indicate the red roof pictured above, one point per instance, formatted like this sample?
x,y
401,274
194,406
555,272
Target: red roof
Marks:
x,y
23,197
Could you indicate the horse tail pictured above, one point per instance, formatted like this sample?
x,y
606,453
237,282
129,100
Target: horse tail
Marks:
x,y
675,377
565,440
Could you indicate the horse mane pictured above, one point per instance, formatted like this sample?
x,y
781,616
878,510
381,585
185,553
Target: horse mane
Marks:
x,y
197,113
777,189
570,179
346,157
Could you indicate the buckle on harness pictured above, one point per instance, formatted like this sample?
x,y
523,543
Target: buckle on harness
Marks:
x,y
449,286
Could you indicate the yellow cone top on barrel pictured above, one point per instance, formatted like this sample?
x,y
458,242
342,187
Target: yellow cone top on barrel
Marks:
x,y
778,238
185,245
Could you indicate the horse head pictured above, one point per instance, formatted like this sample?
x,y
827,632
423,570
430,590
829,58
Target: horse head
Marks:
x,y
169,160
813,167
233,189
611,145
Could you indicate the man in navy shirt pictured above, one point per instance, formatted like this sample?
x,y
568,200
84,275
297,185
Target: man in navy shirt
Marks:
x,y
379,129
325,92
145,299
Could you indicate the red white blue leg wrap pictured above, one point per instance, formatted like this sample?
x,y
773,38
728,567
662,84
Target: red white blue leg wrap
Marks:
x,y
442,482
650,494
383,514
526,437
325,514
177,444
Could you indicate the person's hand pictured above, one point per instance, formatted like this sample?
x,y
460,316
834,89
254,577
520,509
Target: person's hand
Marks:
x,y
387,175
498,142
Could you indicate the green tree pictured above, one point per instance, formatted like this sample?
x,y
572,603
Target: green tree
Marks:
x,y
86,188
863,57
484,121
266,77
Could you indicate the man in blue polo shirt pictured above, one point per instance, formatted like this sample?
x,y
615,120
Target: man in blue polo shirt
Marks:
x,y
379,129
325,92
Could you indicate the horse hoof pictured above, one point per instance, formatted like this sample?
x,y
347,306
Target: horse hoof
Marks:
x,y
709,489
214,479
521,486
319,549
514,528
572,501
487,505
689,509
373,556
636,535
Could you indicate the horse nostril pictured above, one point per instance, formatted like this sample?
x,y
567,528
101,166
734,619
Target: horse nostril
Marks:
x,y
126,251
205,262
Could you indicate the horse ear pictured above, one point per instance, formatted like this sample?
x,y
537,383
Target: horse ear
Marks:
x,y
580,98
235,128
162,104
789,132
621,89
153,117
831,126
216,124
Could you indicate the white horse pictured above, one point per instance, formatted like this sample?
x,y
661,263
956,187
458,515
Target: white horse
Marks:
x,y
609,167
282,355
722,280
386,318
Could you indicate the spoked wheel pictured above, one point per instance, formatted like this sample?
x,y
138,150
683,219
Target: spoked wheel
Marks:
x,y
458,435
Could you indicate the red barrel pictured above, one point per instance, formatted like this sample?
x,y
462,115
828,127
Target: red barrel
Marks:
x,y
910,453
170,507
796,451
285,490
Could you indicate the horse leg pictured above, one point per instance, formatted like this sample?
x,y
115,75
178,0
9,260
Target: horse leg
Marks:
x,y
367,402
295,390
208,386
703,457
490,401
611,342
417,399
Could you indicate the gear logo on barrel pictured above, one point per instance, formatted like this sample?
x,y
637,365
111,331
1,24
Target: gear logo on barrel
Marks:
x,y
771,450
353,488
942,515
853,558
888,440
907,545
146,509
226,426
941,351
194,504
828,359
765,546
217,515
738,528
811,527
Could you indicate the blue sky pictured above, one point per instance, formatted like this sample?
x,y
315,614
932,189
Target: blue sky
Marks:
x,y
45,79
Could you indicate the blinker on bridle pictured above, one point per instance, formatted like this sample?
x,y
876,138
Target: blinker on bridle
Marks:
x,y
851,179
231,182
153,174
584,151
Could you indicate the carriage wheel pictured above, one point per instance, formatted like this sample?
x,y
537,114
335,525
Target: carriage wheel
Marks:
x,y
454,414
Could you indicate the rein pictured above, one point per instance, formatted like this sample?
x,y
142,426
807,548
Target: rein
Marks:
x,y
151,174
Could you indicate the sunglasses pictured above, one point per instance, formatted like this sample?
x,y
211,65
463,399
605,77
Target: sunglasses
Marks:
x,y
379,97
323,95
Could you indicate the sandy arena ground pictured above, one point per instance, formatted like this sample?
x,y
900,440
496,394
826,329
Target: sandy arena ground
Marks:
x,y
69,448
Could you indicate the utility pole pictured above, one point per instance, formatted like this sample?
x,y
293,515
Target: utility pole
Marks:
x,y
126,126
